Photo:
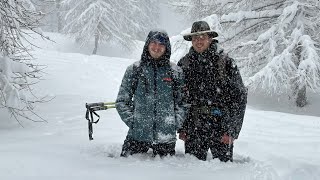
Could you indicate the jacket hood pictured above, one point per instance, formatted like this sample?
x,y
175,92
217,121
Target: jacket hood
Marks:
x,y
163,38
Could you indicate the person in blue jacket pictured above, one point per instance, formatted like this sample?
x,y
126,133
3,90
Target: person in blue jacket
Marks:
x,y
150,99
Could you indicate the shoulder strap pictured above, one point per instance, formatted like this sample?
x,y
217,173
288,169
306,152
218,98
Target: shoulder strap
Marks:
x,y
135,77
222,64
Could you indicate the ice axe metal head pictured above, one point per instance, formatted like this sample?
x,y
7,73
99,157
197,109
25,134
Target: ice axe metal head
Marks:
x,y
91,110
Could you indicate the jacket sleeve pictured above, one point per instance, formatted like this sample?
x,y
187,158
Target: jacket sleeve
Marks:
x,y
180,103
238,99
124,101
184,97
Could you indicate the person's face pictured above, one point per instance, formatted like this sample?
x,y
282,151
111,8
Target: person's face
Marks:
x,y
156,49
201,42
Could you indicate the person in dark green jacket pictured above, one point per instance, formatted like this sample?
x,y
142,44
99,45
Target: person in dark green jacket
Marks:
x,y
216,94
150,99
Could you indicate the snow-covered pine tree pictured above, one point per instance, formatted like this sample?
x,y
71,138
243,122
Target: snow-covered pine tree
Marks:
x,y
275,42
193,9
18,20
105,20
52,20
47,8
53,11
147,15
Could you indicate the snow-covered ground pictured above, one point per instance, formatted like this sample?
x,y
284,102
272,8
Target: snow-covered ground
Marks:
x,y
272,145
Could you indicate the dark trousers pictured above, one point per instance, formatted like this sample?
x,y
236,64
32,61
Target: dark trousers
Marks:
x,y
204,132
131,146
199,142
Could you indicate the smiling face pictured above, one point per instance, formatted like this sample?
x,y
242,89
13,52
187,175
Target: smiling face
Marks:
x,y
156,49
201,42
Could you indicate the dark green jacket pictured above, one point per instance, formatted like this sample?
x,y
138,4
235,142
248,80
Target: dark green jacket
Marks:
x,y
213,78
153,108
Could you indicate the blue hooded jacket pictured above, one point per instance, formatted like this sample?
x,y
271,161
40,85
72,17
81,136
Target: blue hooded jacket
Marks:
x,y
152,107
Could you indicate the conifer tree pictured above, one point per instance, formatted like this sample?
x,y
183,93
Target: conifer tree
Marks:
x,y
106,20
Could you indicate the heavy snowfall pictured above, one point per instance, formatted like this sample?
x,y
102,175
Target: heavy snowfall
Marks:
x,y
43,94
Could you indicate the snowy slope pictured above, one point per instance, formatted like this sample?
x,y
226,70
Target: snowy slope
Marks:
x,y
271,146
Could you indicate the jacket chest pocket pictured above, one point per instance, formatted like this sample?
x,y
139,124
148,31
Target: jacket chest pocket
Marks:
x,y
165,85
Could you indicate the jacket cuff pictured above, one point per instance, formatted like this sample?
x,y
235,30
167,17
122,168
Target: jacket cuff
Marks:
x,y
181,130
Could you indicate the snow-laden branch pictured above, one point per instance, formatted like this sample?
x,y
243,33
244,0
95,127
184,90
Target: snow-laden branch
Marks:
x,y
309,68
274,75
18,20
249,15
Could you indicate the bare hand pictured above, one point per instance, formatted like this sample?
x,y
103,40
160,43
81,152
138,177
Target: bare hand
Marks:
x,y
183,136
227,139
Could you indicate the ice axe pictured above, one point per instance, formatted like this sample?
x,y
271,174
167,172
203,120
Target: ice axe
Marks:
x,y
91,110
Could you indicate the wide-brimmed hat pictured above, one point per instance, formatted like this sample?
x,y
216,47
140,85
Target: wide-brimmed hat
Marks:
x,y
198,28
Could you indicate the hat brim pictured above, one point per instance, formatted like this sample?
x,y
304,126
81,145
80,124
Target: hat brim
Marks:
x,y
188,37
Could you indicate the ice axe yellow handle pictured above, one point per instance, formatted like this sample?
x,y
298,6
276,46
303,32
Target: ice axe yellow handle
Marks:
x,y
100,106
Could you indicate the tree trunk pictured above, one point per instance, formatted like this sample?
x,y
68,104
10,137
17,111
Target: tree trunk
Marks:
x,y
59,18
96,43
301,100
301,92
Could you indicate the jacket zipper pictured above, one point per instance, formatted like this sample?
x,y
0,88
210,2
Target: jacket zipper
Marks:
x,y
155,74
